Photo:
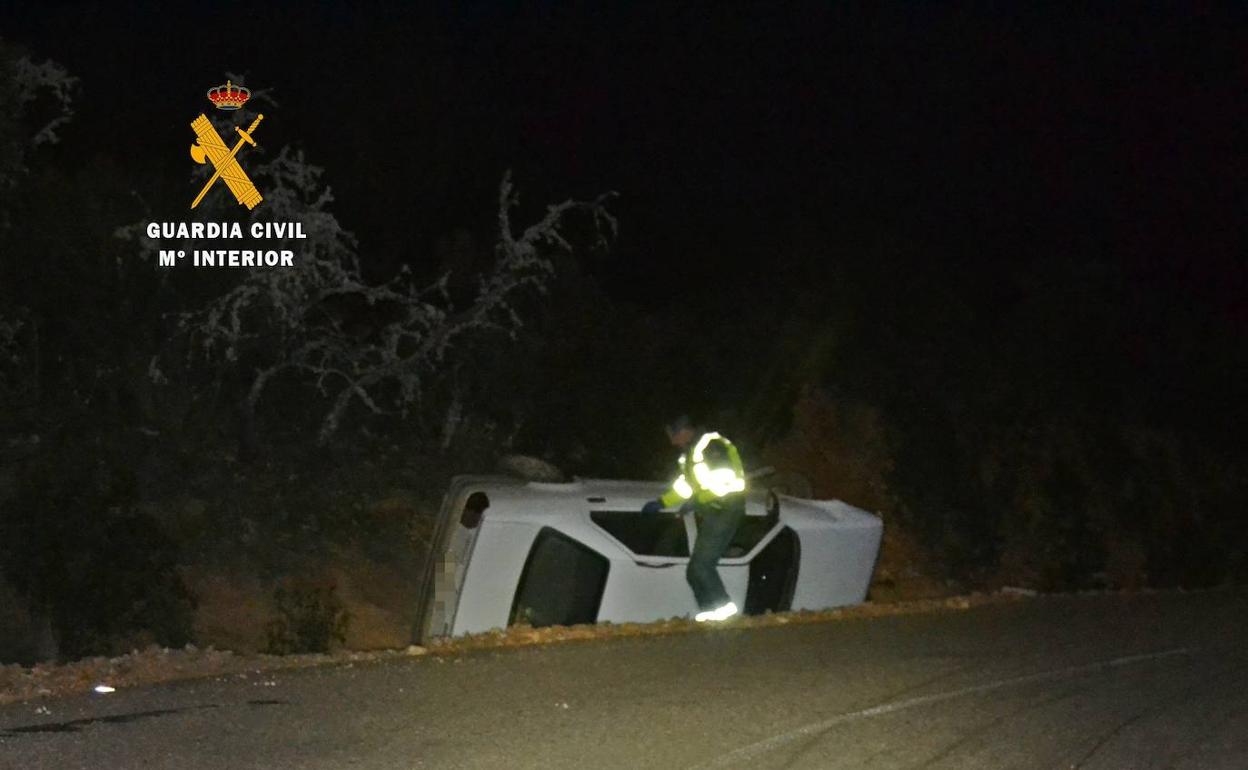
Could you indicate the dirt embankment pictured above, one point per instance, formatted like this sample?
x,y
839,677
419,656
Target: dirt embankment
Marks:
x,y
156,664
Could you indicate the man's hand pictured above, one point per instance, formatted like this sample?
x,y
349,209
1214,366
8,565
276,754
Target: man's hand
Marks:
x,y
654,506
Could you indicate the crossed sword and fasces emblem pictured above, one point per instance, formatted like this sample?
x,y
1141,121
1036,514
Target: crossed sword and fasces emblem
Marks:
x,y
209,147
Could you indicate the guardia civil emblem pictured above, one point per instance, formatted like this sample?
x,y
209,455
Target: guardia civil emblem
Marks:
x,y
209,148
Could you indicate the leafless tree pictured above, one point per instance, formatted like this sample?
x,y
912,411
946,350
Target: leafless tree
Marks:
x,y
382,345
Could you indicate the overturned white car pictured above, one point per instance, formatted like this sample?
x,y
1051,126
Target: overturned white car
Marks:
x,y
506,552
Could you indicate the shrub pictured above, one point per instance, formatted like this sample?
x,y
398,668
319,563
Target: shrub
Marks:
x,y
310,617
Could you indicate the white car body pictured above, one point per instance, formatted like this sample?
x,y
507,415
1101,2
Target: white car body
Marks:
x,y
582,552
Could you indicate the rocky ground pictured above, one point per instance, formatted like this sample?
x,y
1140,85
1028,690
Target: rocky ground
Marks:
x,y
156,664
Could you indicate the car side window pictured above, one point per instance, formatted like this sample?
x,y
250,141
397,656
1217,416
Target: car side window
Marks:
x,y
561,583
773,575
749,534
658,534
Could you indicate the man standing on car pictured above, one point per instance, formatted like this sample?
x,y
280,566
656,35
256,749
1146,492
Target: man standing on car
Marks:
x,y
712,482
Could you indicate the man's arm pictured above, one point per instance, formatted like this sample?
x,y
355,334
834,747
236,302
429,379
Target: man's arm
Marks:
x,y
679,492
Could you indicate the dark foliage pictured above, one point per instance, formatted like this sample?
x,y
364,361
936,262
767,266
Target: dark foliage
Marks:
x,y
310,618
74,545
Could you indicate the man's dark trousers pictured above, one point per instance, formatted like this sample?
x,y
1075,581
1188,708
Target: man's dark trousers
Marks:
x,y
717,523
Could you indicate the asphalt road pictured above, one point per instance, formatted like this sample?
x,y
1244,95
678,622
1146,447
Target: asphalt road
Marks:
x,y
1154,681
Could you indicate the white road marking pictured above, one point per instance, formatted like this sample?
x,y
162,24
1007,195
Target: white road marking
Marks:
x,y
766,745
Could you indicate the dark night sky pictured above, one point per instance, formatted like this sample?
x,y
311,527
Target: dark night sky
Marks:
x,y
759,141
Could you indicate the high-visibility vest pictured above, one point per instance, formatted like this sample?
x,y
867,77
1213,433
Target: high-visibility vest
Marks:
x,y
709,470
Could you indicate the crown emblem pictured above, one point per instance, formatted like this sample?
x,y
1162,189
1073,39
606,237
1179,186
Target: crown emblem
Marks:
x,y
228,96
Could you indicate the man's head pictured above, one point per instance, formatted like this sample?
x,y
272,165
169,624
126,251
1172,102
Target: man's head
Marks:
x,y
681,432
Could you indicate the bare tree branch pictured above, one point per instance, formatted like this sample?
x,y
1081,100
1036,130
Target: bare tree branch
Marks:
x,y
381,345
